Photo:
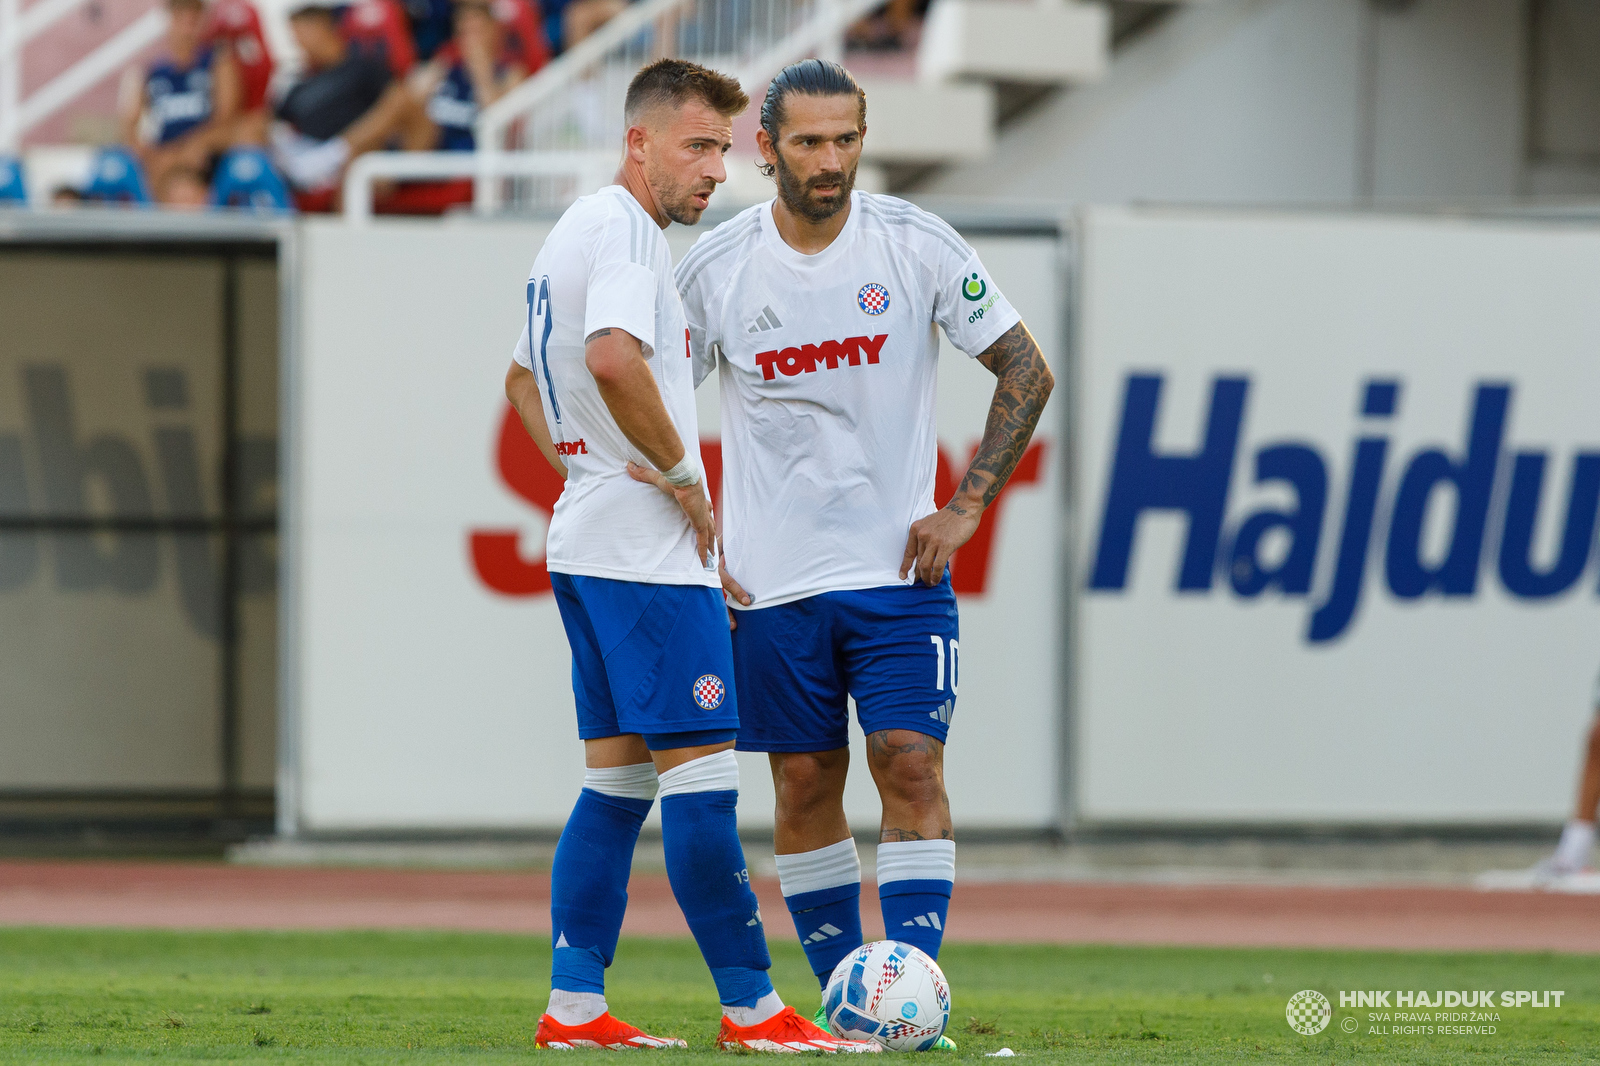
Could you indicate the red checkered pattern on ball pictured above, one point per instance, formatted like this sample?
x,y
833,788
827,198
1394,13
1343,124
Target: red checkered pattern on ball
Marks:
x,y
708,691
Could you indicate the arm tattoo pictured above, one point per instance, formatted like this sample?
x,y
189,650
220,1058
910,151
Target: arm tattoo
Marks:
x,y
597,333
1020,393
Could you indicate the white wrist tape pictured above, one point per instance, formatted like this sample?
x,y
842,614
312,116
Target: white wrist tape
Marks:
x,y
683,475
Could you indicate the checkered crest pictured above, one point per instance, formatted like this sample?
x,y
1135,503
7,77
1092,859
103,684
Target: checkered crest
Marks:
x,y
873,299
708,691
1309,1012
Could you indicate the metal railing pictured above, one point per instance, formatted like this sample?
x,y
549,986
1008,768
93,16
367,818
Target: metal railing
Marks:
x,y
575,103
18,27
584,171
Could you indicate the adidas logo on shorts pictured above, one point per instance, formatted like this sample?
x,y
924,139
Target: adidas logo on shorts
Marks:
x,y
944,712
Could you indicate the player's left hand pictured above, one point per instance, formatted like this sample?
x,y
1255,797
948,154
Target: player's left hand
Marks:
x,y
732,588
934,539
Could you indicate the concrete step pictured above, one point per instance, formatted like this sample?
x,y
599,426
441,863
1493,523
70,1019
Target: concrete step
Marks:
x,y
1047,42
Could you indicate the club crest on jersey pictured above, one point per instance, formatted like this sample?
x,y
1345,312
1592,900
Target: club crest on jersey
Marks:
x,y
708,691
873,299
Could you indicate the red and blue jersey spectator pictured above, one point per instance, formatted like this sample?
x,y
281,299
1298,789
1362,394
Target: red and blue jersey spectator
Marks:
x,y
179,112
380,28
235,26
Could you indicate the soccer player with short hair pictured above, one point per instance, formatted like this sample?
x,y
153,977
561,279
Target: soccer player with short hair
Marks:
x,y
819,310
603,382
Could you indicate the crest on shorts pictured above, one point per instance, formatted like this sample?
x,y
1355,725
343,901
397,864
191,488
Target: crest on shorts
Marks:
x,y
873,299
708,691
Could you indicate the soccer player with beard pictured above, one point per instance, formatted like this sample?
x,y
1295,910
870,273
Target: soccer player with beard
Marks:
x,y
603,382
818,308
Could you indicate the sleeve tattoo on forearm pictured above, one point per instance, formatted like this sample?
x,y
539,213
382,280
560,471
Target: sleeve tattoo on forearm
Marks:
x,y
1020,393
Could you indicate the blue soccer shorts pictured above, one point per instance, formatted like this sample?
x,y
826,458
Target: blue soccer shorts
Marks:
x,y
894,649
649,659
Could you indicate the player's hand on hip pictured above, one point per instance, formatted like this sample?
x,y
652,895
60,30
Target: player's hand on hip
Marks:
x,y
692,498
934,539
732,588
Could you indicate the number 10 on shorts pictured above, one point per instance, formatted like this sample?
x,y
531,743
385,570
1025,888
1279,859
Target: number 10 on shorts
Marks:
x,y
938,669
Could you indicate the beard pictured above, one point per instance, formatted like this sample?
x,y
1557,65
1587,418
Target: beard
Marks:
x,y
677,201
798,197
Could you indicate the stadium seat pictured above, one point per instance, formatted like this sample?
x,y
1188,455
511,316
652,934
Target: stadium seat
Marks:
x,y
13,189
245,179
116,177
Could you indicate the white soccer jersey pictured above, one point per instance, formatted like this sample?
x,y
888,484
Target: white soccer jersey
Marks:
x,y
606,264
828,365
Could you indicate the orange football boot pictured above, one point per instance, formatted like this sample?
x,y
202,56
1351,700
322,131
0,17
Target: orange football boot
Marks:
x,y
605,1033
787,1031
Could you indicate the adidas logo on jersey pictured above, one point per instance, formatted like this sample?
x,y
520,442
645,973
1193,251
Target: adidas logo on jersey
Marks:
x,y
828,930
767,319
809,357
943,712
925,920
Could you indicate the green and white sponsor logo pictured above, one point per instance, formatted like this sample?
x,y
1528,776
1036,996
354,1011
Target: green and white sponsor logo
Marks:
x,y
974,287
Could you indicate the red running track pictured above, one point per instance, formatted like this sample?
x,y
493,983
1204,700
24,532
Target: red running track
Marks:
x,y
180,896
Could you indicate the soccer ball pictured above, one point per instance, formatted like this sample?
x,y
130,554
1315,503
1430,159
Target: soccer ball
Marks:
x,y
889,992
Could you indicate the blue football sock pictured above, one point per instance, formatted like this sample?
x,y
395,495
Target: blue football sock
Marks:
x,y
914,882
705,864
829,924
822,889
589,887
914,912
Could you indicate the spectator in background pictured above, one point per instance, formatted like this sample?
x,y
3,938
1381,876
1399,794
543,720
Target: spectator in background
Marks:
x,y
475,68
380,28
567,22
183,189
186,101
468,74
522,24
430,25
347,103
233,28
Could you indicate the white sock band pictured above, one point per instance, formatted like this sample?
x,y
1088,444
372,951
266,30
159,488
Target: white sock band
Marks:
x,y
811,871
709,773
636,782
1577,841
576,1008
917,860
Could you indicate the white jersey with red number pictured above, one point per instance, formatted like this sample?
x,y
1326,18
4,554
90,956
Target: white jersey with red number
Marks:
x,y
606,265
828,365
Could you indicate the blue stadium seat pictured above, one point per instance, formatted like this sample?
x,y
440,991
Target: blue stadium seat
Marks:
x,y
117,178
13,188
245,179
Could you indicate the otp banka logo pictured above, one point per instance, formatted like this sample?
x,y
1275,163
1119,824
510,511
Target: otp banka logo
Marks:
x,y
1379,488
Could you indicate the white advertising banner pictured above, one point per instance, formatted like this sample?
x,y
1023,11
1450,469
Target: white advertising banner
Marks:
x,y
1336,521
429,677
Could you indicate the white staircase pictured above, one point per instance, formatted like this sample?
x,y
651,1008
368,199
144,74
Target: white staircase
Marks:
x,y
20,26
943,112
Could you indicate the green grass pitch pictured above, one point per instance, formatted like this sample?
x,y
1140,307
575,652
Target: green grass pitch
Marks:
x,y
104,995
